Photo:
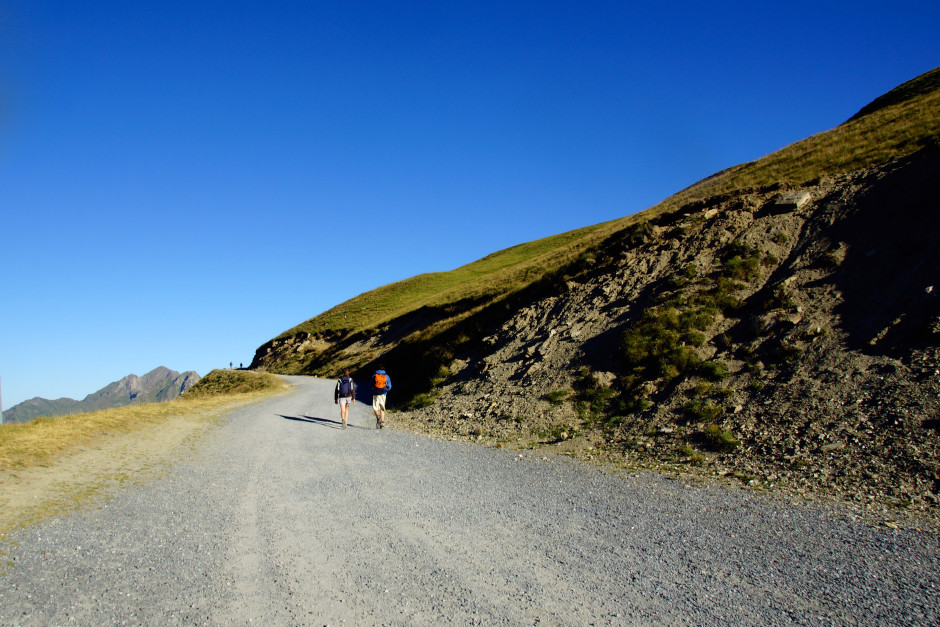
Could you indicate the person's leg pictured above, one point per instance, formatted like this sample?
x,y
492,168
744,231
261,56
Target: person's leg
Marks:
x,y
344,410
380,415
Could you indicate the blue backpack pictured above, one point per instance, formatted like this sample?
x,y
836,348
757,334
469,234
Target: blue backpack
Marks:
x,y
345,387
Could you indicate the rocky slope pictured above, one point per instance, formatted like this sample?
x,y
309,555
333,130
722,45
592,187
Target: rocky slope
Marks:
x,y
783,337
158,385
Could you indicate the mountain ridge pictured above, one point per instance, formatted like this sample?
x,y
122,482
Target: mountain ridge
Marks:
x,y
159,385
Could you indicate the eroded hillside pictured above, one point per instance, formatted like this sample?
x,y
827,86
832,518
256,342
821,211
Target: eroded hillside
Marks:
x,y
786,337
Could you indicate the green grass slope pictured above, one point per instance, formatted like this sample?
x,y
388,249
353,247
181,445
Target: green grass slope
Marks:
x,y
478,282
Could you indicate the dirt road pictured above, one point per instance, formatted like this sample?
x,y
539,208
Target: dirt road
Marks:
x,y
280,517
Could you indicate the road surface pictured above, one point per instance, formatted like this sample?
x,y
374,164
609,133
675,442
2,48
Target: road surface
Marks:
x,y
280,517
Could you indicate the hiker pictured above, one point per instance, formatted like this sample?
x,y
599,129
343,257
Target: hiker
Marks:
x,y
381,384
345,395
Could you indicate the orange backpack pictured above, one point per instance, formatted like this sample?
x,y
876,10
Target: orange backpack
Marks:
x,y
380,381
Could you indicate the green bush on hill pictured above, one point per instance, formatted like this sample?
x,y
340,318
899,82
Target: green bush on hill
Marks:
x,y
225,382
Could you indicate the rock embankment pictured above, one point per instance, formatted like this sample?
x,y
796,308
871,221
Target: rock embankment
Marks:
x,y
809,359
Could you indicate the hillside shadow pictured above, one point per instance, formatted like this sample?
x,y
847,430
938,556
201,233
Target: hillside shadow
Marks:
x,y
889,274
325,422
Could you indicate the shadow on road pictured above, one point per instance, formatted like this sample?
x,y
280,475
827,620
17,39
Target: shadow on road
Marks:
x,y
326,422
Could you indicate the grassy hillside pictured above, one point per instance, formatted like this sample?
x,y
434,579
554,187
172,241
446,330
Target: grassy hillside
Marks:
x,y
896,124
478,282
923,84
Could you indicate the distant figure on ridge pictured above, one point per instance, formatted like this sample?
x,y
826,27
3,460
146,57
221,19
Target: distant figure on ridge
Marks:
x,y
345,395
381,384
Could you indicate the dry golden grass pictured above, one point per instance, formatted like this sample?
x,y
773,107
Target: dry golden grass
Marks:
x,y
44,440
54,466
887,133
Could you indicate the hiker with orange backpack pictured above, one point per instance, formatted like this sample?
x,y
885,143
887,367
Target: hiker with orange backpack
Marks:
x,y
381,384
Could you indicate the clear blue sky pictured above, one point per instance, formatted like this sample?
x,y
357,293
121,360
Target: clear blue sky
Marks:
x,y
182,181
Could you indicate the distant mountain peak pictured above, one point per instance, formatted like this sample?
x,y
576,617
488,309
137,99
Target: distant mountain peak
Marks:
x,y
159,385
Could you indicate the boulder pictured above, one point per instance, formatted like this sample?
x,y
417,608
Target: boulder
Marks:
x,y
791,201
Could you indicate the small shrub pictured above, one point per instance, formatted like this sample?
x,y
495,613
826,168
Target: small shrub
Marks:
x,y
676,282
742,268
693,456
557,397
592,402
657,345
737,248
630,405
701,389
740,261
779,300
700,318
613,422
789,352
558,434
694,338
714,370
779,238
720,439
419,401
722,295
699,411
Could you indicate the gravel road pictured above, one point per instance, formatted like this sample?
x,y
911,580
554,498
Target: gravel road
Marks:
x,y
280,517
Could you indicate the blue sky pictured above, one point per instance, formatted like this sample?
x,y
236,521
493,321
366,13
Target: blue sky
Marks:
x,y
182,181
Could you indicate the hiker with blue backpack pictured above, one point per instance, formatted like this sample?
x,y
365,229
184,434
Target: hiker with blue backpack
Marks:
x,y
345,395
381,384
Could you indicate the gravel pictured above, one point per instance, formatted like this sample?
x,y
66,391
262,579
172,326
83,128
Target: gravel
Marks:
x,y
281,517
